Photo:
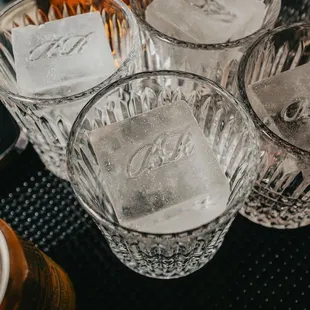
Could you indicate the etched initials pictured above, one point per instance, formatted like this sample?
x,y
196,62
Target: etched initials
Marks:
x,y
215,8
63,46
296,111
167,148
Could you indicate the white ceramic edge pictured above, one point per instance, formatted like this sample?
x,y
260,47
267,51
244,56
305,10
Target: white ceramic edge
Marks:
x,y
5,266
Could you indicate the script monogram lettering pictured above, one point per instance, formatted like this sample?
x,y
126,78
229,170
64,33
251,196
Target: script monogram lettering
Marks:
x,y
63,46
297,110
167,148
215,8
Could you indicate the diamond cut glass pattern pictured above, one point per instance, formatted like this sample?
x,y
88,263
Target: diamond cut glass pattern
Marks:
x,y
229,132
47,120
281,195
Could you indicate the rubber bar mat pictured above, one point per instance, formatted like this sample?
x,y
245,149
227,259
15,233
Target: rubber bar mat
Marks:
x,y
256,268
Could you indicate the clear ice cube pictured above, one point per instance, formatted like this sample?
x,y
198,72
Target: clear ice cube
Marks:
x,y
62,57
283,103
206,21
159,172
252,20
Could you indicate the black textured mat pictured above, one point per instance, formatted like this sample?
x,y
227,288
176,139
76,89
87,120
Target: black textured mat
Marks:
x,y
256,268
294,11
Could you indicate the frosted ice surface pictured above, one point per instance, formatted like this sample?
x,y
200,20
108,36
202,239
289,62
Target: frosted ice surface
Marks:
x,y
251,15
184,21
206,21
283,103
62,57
159,172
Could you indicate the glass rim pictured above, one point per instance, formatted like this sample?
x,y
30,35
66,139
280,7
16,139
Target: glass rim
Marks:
x,y
244,97
52,101
203,46
223,218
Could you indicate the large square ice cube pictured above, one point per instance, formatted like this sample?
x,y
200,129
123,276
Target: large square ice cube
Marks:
x,y
159,171
283,103
204,21
64,56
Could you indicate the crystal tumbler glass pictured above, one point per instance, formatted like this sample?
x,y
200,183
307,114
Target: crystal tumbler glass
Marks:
x,y
227,128
47,120
218,62
281,195
11,137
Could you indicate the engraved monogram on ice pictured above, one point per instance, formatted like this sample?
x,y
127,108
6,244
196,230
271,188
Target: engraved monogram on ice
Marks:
x,y
215,8
165,149
296,111
63,46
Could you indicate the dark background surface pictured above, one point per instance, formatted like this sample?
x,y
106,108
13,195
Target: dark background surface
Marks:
x,y
8,131
256,268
